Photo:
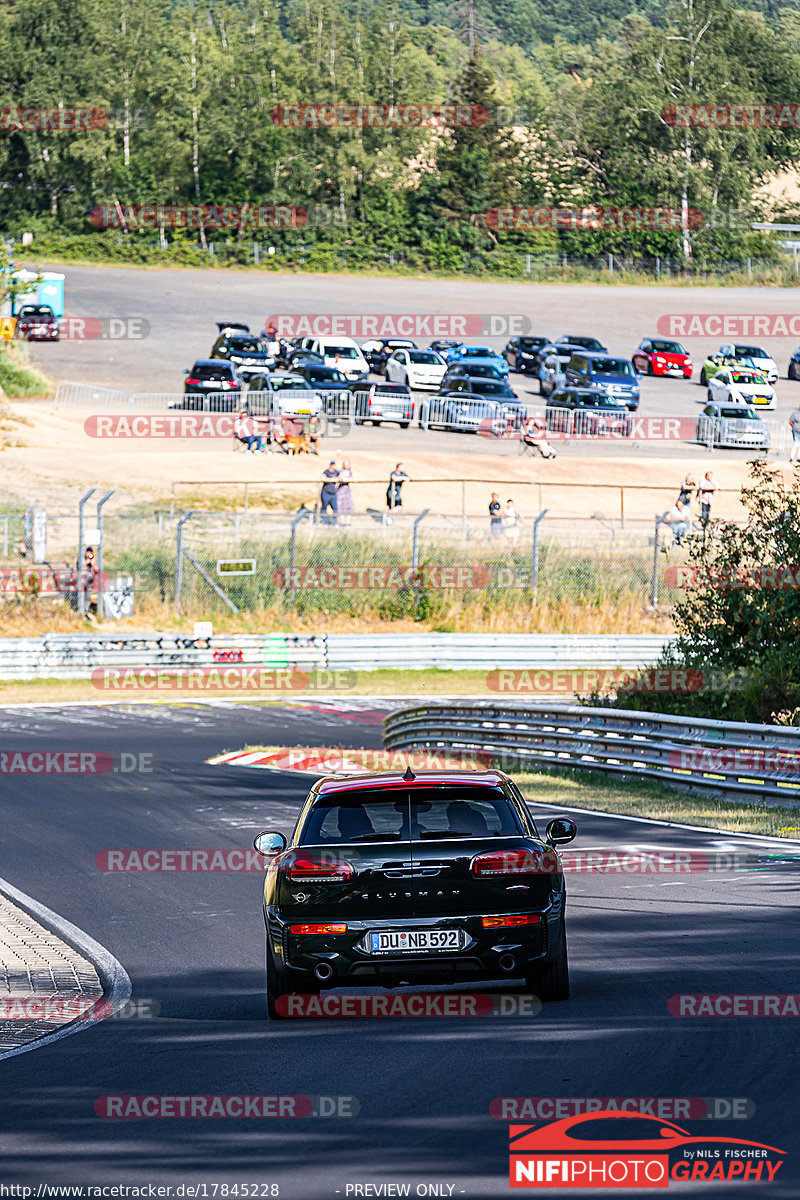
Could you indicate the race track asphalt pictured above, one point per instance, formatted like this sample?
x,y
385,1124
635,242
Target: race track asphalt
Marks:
x,y
194,942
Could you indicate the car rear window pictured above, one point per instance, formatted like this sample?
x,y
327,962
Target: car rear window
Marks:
x,y
416,814
491,387
342,351
36,310
740,414
532,343
212,373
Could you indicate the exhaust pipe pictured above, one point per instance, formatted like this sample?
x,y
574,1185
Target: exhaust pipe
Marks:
x,y
323,971
507,962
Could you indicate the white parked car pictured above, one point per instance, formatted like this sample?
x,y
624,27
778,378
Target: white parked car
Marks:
x,y
291,392
741,385
340,352
416,368
758,356
737,426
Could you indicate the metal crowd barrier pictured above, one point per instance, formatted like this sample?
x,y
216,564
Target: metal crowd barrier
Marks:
x,y
723,756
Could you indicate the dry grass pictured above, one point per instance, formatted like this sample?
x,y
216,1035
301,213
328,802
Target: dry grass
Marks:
x,y
35,617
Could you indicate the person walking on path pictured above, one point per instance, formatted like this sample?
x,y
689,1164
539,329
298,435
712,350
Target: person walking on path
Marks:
x,y
328,499
394,498
344,497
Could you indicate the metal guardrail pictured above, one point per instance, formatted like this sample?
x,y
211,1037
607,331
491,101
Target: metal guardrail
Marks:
x,y
495,651
723,756
75,656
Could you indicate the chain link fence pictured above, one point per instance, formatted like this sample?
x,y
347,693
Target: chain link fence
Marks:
x,y
424,566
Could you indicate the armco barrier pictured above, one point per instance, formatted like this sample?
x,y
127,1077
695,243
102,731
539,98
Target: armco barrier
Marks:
x,y
492,651
74,656
724,756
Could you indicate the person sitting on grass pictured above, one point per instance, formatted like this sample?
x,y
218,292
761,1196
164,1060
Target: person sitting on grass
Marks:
x,y
245,431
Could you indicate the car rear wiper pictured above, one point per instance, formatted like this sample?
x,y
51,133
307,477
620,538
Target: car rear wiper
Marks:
x,y
377,837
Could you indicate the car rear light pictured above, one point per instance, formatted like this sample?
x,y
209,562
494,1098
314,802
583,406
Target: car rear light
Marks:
x,y
516,919
513,862
310,930
315,870
190,380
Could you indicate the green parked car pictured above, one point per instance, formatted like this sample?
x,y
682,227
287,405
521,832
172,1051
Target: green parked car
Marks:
x,y
715,362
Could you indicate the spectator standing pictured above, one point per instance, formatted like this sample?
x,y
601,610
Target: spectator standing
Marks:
x,y
511,522
705,494
495,516
344,497
685,496
328,499
794,425
394,497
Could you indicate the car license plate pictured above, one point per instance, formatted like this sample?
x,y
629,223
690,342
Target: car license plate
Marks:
x,y
411,941
304,412
675,371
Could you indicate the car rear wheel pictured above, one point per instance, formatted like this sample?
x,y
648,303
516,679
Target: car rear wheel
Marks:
x,y
703,378
404,424
276,987
553,982
710,396
792,372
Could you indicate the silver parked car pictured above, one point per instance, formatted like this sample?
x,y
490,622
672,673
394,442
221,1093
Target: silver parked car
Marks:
x,y
732,426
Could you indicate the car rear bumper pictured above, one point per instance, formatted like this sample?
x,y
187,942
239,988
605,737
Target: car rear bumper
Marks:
x,y
510,951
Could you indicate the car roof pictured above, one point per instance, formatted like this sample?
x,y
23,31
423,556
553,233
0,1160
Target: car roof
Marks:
x,y
213,362
456,777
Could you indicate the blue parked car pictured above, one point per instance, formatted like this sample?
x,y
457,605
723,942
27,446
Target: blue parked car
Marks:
x,y
447,348
481,354
615,376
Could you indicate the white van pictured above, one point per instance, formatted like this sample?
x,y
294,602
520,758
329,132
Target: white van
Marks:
x,y
341,352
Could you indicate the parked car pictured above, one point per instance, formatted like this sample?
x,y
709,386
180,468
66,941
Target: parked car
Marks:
x,y
658,356
448,348
587,412
473,370
615,376
585,343
716,362
741,384
472,891
479,354
296,357
416,368
373,402
757,355
37,323
325,379
340,352
552,362
499,389
522,353
378,350
734,426
248,354
292,394
212,384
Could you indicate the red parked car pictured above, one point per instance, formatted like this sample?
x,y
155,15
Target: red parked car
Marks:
x,y
37,323
657,356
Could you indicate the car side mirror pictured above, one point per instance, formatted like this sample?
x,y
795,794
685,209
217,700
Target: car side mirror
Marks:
x,y
269,843
186,372
560,831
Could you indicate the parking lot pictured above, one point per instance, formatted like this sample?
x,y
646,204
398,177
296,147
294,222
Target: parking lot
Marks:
x,y
181,308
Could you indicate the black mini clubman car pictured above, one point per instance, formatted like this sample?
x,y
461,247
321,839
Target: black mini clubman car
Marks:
x,y
401,878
